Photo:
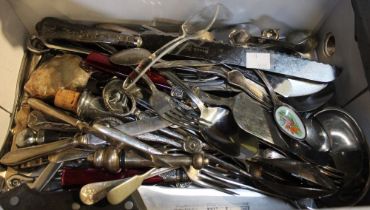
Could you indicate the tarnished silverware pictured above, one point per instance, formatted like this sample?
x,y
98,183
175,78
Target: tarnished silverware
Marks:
x,y
217,124
28,153
38,121
193,28
55,162
94,192
120,192
114,160
54,29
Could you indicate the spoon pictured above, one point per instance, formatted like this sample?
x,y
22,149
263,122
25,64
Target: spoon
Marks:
x,y
290,123
350,154
316,136
285,116
236,78
193,28
129,57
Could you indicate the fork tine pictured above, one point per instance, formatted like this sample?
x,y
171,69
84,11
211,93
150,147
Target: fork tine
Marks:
x,y
173,120
236,184
177,121
184,115
228,166
203,181
331,174
212,183
166,114
208,185
179,118
332,170
338,183
232,184
175,117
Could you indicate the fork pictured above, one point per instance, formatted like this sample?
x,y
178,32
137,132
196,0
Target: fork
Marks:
x,y
167,108
205,181
207,114
211,178
305,171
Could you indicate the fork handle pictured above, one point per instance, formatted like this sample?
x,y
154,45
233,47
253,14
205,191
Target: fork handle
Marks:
x,y
216,100
185,88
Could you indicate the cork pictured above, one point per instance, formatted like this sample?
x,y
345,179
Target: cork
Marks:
x,y
67,99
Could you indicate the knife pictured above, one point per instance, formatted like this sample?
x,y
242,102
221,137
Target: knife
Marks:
x,y
51,28
24,198
252,58
136,128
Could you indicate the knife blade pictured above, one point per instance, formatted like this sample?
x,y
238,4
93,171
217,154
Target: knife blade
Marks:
x,y
53,28
254,58
137,128
292,88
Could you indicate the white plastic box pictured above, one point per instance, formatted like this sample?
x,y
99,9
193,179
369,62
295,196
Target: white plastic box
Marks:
x,y
18,17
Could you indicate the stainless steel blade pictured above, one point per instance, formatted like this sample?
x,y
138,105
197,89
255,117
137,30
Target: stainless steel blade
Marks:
x,y
294,88
138,127
253,58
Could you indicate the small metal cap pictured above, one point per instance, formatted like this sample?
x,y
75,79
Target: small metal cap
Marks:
x,y
270,34
199,161
25,138
14,200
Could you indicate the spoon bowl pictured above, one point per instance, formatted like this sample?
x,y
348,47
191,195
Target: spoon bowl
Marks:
x,y
129,57
222,131
316,136
350,154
